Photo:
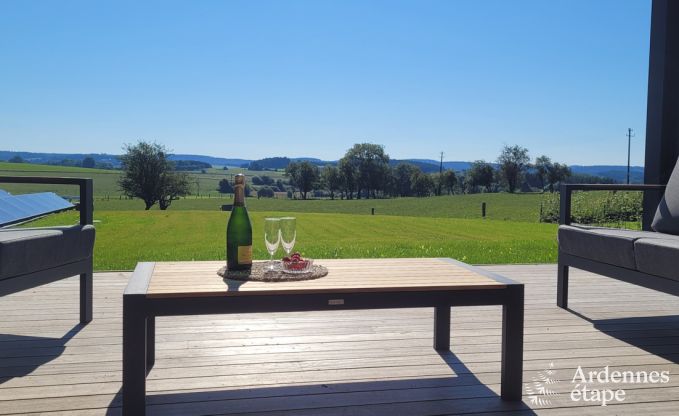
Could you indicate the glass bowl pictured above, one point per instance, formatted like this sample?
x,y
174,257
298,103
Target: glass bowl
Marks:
x,y
297,268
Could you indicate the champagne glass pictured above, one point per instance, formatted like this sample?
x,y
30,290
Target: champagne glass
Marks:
x,y
288,233
272,238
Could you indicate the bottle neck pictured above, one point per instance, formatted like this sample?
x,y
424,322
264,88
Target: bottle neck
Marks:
x,y
239,196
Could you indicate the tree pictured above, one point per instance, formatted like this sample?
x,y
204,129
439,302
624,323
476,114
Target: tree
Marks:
x,y
423,184
403,175
557,173
304,175
148,174
16,159
542,166
255,166
257,181
513,161
173,185
88,162
371,165
348,177
449,180
265,192
266,180
280,185
480,174
225,187
330,176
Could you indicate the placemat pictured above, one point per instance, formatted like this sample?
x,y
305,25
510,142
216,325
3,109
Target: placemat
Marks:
x,y
260,273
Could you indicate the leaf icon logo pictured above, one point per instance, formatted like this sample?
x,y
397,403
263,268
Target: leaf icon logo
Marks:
x,y
539,391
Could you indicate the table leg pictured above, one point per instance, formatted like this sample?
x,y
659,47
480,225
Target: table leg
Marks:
x,y
442,328
134,357
86,297
512,344
150,342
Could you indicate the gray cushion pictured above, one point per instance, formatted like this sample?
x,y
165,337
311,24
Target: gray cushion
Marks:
x,y
27,250
606,245
666,218
659,257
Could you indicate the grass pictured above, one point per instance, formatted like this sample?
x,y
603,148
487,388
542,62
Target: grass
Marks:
x,y
195,228
501,206
511,207
124,238
106,181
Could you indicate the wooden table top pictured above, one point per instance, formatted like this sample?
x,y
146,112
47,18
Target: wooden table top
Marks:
x,y
200,278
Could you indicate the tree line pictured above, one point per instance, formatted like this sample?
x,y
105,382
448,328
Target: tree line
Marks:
x,y
365,172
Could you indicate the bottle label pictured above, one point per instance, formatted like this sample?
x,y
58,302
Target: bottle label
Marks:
x,y
244,254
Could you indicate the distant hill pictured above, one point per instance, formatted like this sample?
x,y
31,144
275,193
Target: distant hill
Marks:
x,y
454,165
616,172
313,160
283,162
214,161
190,165
54,158
425,166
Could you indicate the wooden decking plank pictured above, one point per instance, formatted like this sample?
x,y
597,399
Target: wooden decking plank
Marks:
x,y
207,362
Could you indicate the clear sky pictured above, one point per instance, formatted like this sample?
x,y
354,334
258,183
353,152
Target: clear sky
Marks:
x,y
253,79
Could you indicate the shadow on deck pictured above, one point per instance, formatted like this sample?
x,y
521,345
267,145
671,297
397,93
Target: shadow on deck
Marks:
x,y
339,363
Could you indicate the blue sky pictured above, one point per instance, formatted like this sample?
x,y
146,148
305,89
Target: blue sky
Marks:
x,y
309,78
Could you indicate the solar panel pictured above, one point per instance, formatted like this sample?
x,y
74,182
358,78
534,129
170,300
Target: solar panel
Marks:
x,y
18,208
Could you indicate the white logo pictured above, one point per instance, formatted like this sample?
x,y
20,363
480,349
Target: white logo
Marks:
x,y
540,391
586,386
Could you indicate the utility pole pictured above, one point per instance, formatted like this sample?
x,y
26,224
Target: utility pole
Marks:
x,y
630,134
441,174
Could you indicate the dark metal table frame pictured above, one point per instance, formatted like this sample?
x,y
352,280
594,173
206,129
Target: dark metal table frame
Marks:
x,y
140,311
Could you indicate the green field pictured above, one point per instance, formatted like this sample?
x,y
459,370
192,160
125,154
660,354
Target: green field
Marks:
x,y
516,207
106,181
194,228
126,237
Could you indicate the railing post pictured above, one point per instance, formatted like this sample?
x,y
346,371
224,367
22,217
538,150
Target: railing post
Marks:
x,y
86,202
565,204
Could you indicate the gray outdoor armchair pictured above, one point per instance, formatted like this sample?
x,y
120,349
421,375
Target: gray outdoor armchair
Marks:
x,y
645,258
30,257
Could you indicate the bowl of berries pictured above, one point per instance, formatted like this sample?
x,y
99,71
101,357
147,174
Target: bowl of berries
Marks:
x,y
296,264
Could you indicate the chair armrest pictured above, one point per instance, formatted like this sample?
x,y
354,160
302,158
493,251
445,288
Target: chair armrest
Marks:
x,y
86,205
566,191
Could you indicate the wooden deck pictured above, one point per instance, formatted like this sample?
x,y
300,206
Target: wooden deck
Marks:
x,y
341,363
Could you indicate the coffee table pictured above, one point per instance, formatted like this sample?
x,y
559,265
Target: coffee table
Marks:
x,y
194,288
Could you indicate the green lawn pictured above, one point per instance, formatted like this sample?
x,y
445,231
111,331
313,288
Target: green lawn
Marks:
x,y
501,206
195,228
124,238
106,181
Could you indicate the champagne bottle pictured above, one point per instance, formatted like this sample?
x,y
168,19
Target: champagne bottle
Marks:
x,y
239,230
